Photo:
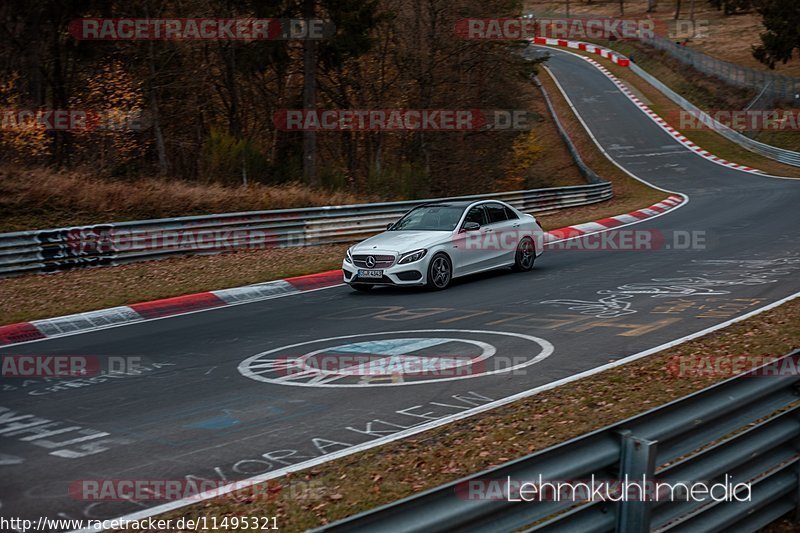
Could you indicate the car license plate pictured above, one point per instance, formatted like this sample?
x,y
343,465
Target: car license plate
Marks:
x,y
370,274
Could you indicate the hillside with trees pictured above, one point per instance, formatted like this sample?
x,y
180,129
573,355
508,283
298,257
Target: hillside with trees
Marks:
x,y
207,107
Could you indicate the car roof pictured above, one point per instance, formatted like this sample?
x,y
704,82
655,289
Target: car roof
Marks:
x,y
449,203
456,203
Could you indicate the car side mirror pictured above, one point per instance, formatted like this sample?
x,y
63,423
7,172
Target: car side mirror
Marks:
x,y
471,226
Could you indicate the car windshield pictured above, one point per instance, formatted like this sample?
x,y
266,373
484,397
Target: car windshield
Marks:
x,y
430,218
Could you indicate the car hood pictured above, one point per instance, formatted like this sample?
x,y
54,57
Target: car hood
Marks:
x,y
401,241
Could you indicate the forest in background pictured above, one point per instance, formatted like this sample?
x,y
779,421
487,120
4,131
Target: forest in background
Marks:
x,y
209,104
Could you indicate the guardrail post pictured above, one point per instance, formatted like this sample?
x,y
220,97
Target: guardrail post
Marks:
x,y
637,463
797,493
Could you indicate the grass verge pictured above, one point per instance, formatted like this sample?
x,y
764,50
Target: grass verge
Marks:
x,y
44,296
41,198
384,474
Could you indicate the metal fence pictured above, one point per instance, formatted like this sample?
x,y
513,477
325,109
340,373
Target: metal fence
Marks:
x,y
773,152
60,249
782,87
786,88
747,428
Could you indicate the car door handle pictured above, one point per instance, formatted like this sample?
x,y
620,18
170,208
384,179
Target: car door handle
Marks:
x,y
488,230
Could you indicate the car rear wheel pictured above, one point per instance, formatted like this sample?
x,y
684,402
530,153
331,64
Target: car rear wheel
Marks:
x,y
440,272
525,256
362,287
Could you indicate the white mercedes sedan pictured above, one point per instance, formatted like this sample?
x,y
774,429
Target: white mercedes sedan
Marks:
x,y
436,242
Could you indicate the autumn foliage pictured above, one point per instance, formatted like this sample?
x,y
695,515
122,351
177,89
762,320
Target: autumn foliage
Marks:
x,y
204,109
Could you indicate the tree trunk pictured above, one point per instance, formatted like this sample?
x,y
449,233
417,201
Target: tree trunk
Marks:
x,y
161,150
61,139
228,54
677,9
309,100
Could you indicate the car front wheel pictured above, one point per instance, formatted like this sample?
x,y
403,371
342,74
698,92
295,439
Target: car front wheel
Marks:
x,y
440,272
525,256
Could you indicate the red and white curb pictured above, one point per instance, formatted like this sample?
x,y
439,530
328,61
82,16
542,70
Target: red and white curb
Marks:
x,y
64,325
625,62
114,316
585,47
604,224
665,125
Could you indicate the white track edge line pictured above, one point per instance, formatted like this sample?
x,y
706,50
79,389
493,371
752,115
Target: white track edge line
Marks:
x,y
185,313
411,431
655,118
299,292
497,403
575,112
466,414
234,486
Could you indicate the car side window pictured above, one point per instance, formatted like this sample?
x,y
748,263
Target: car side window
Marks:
x,y
476,214
510,214
496,213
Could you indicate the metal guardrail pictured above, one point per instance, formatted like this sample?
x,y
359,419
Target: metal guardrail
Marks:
x,y
60,249
785,88
587,173
771,86
773,152
746,427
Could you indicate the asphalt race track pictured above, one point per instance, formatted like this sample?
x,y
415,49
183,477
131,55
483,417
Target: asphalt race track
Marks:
x,y
211,403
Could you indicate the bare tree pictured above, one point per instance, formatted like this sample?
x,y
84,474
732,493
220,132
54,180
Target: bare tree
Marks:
x,y
309,99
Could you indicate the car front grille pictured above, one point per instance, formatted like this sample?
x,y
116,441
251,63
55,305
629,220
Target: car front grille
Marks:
x,y
381,261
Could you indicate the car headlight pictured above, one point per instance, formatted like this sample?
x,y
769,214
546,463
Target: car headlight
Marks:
x,y
348,258
410,257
